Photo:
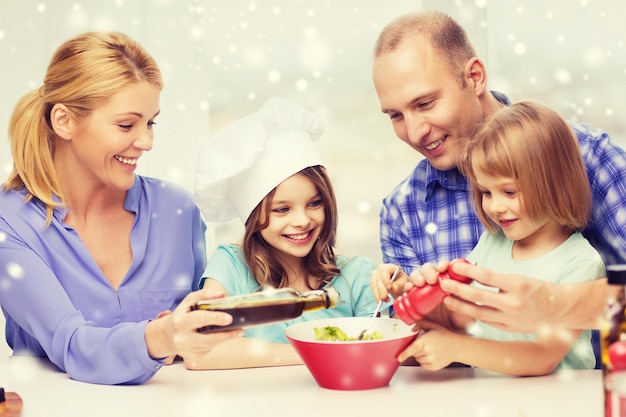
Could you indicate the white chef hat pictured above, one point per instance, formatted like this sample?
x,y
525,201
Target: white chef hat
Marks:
x,y
248,158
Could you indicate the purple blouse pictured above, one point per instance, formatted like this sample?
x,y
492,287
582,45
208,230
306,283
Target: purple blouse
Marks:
x,y
57,302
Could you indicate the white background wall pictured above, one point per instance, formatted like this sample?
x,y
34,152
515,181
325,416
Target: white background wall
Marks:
x,y
222,59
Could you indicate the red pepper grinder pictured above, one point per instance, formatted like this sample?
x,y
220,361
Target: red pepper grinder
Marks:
x,y
419,301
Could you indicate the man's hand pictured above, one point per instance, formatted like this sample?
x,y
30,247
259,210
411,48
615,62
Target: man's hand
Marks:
x,y
524,304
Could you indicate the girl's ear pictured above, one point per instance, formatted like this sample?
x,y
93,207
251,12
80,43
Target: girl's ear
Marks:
x,y
61,121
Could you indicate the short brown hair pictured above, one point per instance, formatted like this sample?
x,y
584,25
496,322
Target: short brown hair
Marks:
x,y
446,36
535,146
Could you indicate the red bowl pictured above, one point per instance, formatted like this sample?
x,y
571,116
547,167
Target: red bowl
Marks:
x,y
351,365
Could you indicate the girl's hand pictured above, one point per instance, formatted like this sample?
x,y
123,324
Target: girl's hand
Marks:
x,y
428,274
435,348
381,282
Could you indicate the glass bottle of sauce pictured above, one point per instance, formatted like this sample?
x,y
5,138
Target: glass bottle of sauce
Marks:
x,y
613,344
267,306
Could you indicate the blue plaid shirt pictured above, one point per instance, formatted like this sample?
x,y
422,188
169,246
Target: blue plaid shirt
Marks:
x,y
429,216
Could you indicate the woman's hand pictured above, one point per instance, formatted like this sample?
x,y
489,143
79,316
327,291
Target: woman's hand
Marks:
x,y
176,333
170,359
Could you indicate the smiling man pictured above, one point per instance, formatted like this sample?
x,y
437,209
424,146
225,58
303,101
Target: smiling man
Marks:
x,y
434,90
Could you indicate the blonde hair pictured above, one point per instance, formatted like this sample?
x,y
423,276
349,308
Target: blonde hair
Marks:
x,y
536,147
445,35
321,262
84,72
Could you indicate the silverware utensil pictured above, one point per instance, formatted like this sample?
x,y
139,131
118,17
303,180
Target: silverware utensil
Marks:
x,y
380,303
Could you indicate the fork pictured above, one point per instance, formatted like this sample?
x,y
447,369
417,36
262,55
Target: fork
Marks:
x,y
380,303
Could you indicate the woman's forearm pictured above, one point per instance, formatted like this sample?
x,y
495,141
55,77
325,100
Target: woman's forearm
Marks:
x,y
245,353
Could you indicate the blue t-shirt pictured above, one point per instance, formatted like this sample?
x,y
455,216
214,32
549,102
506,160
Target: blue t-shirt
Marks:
x,y
228,267
575,260
58,303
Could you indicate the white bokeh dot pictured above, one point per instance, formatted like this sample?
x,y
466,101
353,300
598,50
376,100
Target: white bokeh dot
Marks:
x,y
302,85
15,271
181,281
315,54
431,228
363,207
563,76
196,33
519,48
273,76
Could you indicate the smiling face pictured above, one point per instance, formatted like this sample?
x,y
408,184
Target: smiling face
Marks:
x,y
502,201
296,218
422,95
104,148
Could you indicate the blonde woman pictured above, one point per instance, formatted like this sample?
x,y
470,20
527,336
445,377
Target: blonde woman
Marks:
x,y
97,264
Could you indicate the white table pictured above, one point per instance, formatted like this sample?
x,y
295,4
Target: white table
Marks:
x,y
292,391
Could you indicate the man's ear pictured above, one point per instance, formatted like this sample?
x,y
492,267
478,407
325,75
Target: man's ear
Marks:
x,y
61,121
476,75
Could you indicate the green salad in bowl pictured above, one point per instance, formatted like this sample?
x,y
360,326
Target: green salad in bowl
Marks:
x,y
335,334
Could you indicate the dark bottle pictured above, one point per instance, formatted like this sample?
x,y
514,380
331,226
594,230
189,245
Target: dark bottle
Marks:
x,y
419,301
267,306
10,404
613,344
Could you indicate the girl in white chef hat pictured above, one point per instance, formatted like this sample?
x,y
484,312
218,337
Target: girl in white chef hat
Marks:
x,y
266,170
